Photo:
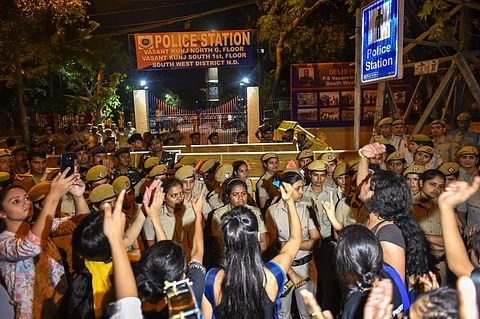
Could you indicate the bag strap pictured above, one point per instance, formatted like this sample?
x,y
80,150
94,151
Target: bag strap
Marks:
x,y
381,224
209,285
279,275
400,285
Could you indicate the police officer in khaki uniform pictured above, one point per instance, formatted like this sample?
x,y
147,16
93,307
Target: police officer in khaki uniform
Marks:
x,y
20,156
191,186
396,162
5,180
207,172
269,182
6,162
222,173
96,176
385,126
83,158
451,171
463,136
400,139
425,156
443,147
468,159
413,174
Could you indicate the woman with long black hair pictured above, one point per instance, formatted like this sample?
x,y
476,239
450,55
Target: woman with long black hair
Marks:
x,y
244,287
388,200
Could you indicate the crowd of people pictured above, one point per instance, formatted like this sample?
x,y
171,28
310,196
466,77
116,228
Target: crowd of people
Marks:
x,y
383,235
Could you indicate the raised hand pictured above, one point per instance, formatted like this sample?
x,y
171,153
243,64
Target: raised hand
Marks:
x,y
61,184
114,223
370,150
313,307
329,207
287,192
379,303
197,203
78,187
429,281
458,192
153,206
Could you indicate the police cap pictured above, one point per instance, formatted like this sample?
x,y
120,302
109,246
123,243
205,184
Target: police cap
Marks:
x,y
449,168
96,173
121,183
318,166
39,191
223,172
414,169
135,137
98,150
184,172
101,193
122,151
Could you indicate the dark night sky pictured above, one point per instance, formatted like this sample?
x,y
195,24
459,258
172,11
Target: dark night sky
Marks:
x,y
183,82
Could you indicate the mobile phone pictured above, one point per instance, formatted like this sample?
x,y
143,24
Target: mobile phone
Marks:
x,y
181,300
68,160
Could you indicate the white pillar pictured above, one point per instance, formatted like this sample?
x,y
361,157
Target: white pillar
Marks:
x,y
140,105
253,112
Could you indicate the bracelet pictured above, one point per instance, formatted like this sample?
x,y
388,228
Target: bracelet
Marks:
x,y
361,154
194,264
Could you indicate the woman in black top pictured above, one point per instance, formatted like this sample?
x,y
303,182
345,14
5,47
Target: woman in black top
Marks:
x,y
359,262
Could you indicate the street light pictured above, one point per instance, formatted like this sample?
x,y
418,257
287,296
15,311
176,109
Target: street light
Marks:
x,y
143,83
245,81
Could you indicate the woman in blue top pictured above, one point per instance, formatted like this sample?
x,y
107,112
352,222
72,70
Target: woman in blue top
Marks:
x,y
245,287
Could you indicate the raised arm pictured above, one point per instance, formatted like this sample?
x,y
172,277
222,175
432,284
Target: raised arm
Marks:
x,y
153,206
457,256
113,226
197,245
366,152
329,210
81,205
59,187
288,252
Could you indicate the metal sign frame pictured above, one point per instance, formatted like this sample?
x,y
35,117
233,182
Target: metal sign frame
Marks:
x,y
382,58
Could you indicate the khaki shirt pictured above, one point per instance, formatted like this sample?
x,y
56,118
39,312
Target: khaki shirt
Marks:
x,y
180,229
400,143
445,149
316,202
262,190
472,208
278,223
428,216
464,176
349,211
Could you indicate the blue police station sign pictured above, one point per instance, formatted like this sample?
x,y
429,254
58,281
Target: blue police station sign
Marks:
x,y
382,41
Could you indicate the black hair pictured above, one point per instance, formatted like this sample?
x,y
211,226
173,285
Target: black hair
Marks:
x,y
169,183
389,148
3,194
237,165
291,177
168,139
392,200
229,185
242,287
88,239
164,261
431,174
36,153
475,243
358,258
441,303
424,143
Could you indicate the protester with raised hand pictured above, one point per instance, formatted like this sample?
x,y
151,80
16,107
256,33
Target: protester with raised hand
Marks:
x,y
457,257
127,305
245,287
30,264
165,260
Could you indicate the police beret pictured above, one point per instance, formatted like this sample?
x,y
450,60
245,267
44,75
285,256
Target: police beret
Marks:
x,y
465,116
385,121
328,157
340,170
96,173
398,122
121,183
268,156
318,166
208,166
193,134
122,151
441,122
396,156
211,135
101,193
4,176
135,137
160,169
39,191
5,153
184,172
467,150
414,169
223,172
449,168
165,132
81,147
98,150
20,149
383,141
185,160
108,139
152,161
420,138
426,149
154,137
305,153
